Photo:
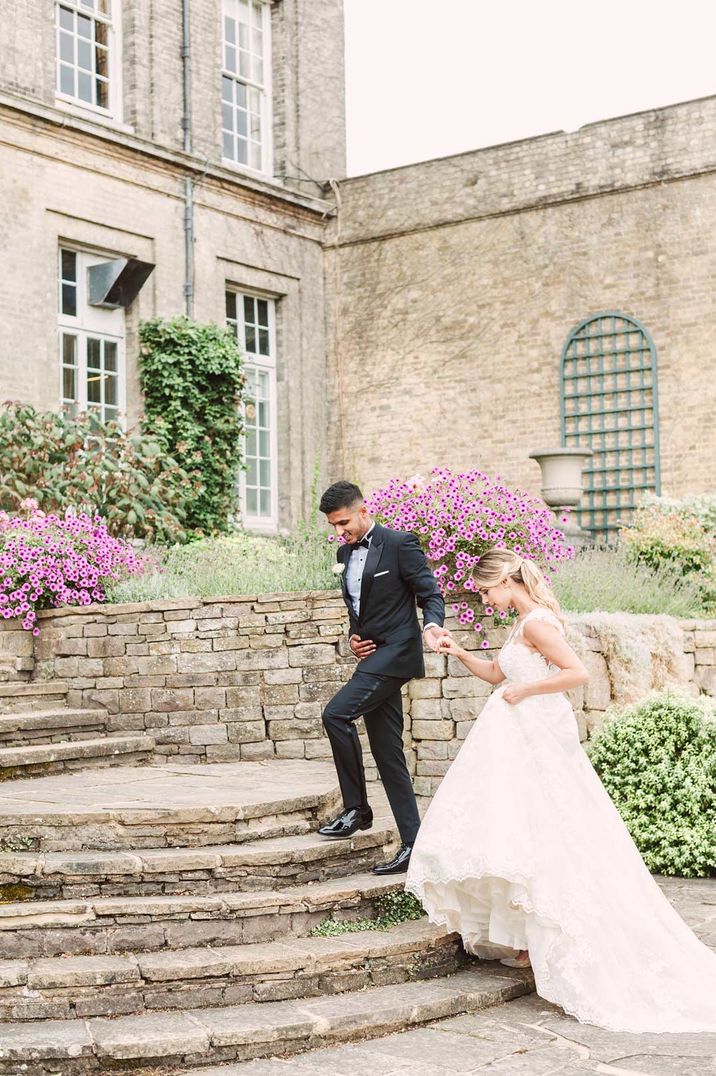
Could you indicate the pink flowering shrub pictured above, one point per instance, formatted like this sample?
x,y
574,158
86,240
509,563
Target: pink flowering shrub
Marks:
x,y
47,561
457,518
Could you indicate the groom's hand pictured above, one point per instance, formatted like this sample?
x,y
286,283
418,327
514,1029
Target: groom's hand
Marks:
x,y
362,648
433,635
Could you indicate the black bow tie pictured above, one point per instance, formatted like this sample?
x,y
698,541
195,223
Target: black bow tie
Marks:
x,y
362,544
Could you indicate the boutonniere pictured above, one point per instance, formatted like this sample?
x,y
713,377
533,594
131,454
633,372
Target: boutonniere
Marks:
x,y
338,569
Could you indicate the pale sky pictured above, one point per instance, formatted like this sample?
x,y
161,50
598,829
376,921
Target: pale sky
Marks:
x,y
427,78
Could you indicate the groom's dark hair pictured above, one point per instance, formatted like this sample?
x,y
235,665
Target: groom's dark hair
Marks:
x,y
340,495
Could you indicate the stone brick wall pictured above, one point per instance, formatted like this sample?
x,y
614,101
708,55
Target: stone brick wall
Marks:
x,y
246,678
454,284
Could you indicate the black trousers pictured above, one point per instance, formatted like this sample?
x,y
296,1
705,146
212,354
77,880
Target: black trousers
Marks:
x,y
377,700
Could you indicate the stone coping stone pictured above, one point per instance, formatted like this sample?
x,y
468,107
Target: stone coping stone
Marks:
x,y
293,956
337,893
36,754
212,792
168,604
259,1029
98,863
57,718
33,689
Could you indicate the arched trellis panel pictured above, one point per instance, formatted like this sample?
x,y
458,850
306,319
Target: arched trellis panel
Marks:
x,y
609,403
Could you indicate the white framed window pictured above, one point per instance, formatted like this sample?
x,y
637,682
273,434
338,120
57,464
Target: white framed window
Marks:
x,y
246,84
88,55
253,320
91,344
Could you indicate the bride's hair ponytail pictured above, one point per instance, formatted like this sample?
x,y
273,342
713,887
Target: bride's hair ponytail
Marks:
x,y
498,564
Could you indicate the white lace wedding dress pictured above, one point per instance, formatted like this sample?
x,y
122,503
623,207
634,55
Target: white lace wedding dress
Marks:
x,y
521,848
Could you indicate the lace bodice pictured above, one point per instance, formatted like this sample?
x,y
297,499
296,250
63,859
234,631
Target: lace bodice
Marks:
x,y
517,661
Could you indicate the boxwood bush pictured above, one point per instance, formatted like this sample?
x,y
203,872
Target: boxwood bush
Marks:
x,y
657,761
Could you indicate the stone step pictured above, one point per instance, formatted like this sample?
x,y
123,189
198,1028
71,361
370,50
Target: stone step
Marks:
x,y
64,987
166,806
201,1036
115,925
32,696
50,725
275,862
46,758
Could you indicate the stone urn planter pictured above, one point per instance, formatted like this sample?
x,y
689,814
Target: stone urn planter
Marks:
x,y
562,484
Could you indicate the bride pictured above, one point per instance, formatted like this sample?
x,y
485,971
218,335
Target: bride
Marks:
x,y
524,854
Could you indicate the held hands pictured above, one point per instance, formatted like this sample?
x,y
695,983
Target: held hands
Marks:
x,y
433,637
446,644
362,648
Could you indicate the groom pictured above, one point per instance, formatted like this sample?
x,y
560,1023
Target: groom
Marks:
x,y
383,572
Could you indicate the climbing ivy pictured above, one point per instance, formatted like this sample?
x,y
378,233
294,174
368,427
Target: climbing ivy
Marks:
x,y
193,384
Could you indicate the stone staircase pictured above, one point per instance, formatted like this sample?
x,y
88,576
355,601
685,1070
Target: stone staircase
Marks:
x,y
40,734
155,917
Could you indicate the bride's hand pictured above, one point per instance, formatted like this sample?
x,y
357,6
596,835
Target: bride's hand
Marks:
x,y
516,693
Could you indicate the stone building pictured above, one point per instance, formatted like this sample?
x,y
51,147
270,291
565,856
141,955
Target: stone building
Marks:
x,y
549,291
461,312
194,138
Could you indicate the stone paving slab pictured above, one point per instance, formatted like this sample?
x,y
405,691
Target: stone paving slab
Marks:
x,y
253,788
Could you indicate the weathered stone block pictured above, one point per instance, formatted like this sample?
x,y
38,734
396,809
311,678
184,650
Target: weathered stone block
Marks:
x,y
247,731
433,730
208,734
164,699
312,654
429,709
597,692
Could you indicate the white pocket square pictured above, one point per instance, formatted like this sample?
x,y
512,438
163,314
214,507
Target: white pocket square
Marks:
x,y
386,572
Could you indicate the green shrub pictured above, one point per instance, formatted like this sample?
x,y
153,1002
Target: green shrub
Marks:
x,y
90,466
657,761
605,580
192,379
657,537
234,564
701,505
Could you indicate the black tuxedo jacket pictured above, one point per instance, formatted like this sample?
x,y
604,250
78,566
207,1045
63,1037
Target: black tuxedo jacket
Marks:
x,y
396,574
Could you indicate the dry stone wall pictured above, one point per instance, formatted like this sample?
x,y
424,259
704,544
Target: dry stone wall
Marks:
x,y
247,677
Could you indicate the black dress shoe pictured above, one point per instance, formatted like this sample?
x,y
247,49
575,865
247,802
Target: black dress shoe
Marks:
x,y
399,864
348,823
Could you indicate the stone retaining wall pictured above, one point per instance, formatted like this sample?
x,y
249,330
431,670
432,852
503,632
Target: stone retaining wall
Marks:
x,y
246,678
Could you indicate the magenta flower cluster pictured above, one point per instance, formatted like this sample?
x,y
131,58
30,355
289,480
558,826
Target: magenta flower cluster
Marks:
x,y
47,561
457,518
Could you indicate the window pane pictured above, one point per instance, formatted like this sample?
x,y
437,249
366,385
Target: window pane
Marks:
x,y
227,117
264,443
251,502
110,390
102,62
250,442
110,355
252,472
69,300
69,349
101,33
227,89
69,384
67,19
67,47
265,474
248,308
231,305
84,27
102,98
94,388
262,311
230,30
84,86
265,502
84,55
111,414
263,342
69,265
263,414
230,58
250,338
242,123
228,144
94,349
67,79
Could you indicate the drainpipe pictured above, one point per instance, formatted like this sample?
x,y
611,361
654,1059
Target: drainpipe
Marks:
x,y
188,181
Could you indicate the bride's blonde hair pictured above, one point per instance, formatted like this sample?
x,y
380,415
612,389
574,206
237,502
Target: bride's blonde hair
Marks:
x,y
498,564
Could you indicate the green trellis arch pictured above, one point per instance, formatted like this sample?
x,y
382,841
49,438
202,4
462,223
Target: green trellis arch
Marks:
x,y
609,403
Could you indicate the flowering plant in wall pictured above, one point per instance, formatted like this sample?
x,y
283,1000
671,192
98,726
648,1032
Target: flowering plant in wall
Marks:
x,y
457,518
48,560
